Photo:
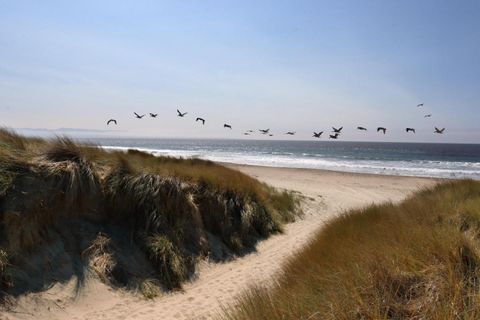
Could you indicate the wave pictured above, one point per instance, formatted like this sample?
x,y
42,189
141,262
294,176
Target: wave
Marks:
x,y
420,168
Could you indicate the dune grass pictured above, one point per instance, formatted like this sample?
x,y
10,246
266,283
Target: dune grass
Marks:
x,y
416,260
203,173
58,198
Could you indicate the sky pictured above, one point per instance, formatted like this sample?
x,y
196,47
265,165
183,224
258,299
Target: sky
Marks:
x,y
298,66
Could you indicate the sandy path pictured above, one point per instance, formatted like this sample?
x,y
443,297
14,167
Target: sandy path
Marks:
x,y
329,193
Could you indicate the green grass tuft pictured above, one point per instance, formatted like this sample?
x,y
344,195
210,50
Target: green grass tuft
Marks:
x,y
150,288
168,261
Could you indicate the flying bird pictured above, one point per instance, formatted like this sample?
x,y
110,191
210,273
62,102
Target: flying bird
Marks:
x,y
250,131
420,105
111,120
200,119
227,126
264,131
317,135
153,115
439,131
139,116
181,114
271,135
335,136
427,116
290,133
410,130
339,130
382,129
362,128
246,134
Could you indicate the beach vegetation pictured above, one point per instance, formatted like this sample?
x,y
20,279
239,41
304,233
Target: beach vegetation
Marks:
x,y
130,218
419,259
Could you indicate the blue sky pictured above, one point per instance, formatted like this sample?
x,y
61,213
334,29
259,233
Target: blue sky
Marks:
x,y
286,65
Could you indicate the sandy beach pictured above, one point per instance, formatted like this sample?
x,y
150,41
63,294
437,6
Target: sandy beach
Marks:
x,y
326,194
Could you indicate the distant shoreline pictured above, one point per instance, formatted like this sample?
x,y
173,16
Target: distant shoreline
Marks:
x,y
239,166
93,134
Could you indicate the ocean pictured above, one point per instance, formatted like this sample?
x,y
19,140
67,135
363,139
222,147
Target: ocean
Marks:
x,y
405,159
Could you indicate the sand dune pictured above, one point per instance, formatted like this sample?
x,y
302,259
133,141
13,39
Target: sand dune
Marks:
x,y
326,195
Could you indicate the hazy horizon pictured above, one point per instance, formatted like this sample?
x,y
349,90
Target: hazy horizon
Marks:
x,y
86,134
303,66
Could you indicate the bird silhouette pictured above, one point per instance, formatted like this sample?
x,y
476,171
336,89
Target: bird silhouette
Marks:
x,y
181,115
427,116
251,131
420,105
153,115
291,133
200,119
317,135
439,131
139,116
410,130
111,120
339,130
382,129
271,135
362,128
335,136
265,131
246,134
227,126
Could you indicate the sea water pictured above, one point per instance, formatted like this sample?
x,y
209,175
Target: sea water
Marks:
x,y
407,159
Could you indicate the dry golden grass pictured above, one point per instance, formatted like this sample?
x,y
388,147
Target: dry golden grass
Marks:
x,y
100,257
203,173
416,260
150,288
14,143
168,207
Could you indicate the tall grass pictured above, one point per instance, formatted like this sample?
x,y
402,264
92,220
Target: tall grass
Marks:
x,y
14,143
170,209
416,260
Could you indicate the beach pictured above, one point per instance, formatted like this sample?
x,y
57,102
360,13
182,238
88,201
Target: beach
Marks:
x,y
224,160
325,194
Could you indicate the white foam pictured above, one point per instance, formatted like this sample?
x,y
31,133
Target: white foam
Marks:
x,y
422,168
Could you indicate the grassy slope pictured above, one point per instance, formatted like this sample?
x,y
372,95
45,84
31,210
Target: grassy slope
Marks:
x,y
110,211
416,260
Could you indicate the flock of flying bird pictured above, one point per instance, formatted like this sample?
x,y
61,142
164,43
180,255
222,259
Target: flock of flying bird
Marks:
x,y
335,133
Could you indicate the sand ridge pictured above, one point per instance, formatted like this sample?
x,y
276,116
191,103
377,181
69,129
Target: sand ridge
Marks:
x,y
326,194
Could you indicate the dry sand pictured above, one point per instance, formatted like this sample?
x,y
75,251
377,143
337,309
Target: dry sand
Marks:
x,y
327,194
